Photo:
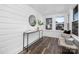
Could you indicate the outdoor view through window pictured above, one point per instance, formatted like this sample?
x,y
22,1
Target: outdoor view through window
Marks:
x,y
75,21
60,23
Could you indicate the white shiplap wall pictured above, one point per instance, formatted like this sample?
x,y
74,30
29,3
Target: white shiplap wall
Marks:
x,y
13,22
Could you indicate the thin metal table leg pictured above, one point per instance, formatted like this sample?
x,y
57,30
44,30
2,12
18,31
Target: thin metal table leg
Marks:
x,y
27,41
39,34
42,34
23,40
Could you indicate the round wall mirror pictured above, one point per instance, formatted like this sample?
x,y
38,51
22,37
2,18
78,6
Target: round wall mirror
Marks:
x,y
32,20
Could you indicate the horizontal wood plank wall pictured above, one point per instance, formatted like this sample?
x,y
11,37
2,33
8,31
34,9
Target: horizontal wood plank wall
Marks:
x,y
13,22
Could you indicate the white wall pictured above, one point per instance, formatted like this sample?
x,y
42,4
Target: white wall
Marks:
x,y
70,19
13,22
66,21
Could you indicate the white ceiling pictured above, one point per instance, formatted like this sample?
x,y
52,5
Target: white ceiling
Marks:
x,y
48,9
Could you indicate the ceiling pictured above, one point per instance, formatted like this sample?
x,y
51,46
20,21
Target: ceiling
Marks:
x,y
48,9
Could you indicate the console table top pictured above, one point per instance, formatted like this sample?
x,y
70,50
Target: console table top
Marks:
x,y
28,32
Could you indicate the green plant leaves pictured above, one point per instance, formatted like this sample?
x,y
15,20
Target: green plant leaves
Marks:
x,y
39,22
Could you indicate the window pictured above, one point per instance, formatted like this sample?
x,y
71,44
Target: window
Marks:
x,y
75,21
60,23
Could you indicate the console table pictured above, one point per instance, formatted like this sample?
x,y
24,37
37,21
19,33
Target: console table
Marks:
x,y
27,33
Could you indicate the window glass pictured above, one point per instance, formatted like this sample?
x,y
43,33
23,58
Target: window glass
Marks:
x,y
75,21
60,23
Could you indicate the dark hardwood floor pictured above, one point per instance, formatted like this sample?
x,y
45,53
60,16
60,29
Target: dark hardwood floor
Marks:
x,y
47,45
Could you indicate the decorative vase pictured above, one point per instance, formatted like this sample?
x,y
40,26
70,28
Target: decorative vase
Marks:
x,y
37,28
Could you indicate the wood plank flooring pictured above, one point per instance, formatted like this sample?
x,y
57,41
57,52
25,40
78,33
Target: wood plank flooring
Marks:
x,y
47,45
